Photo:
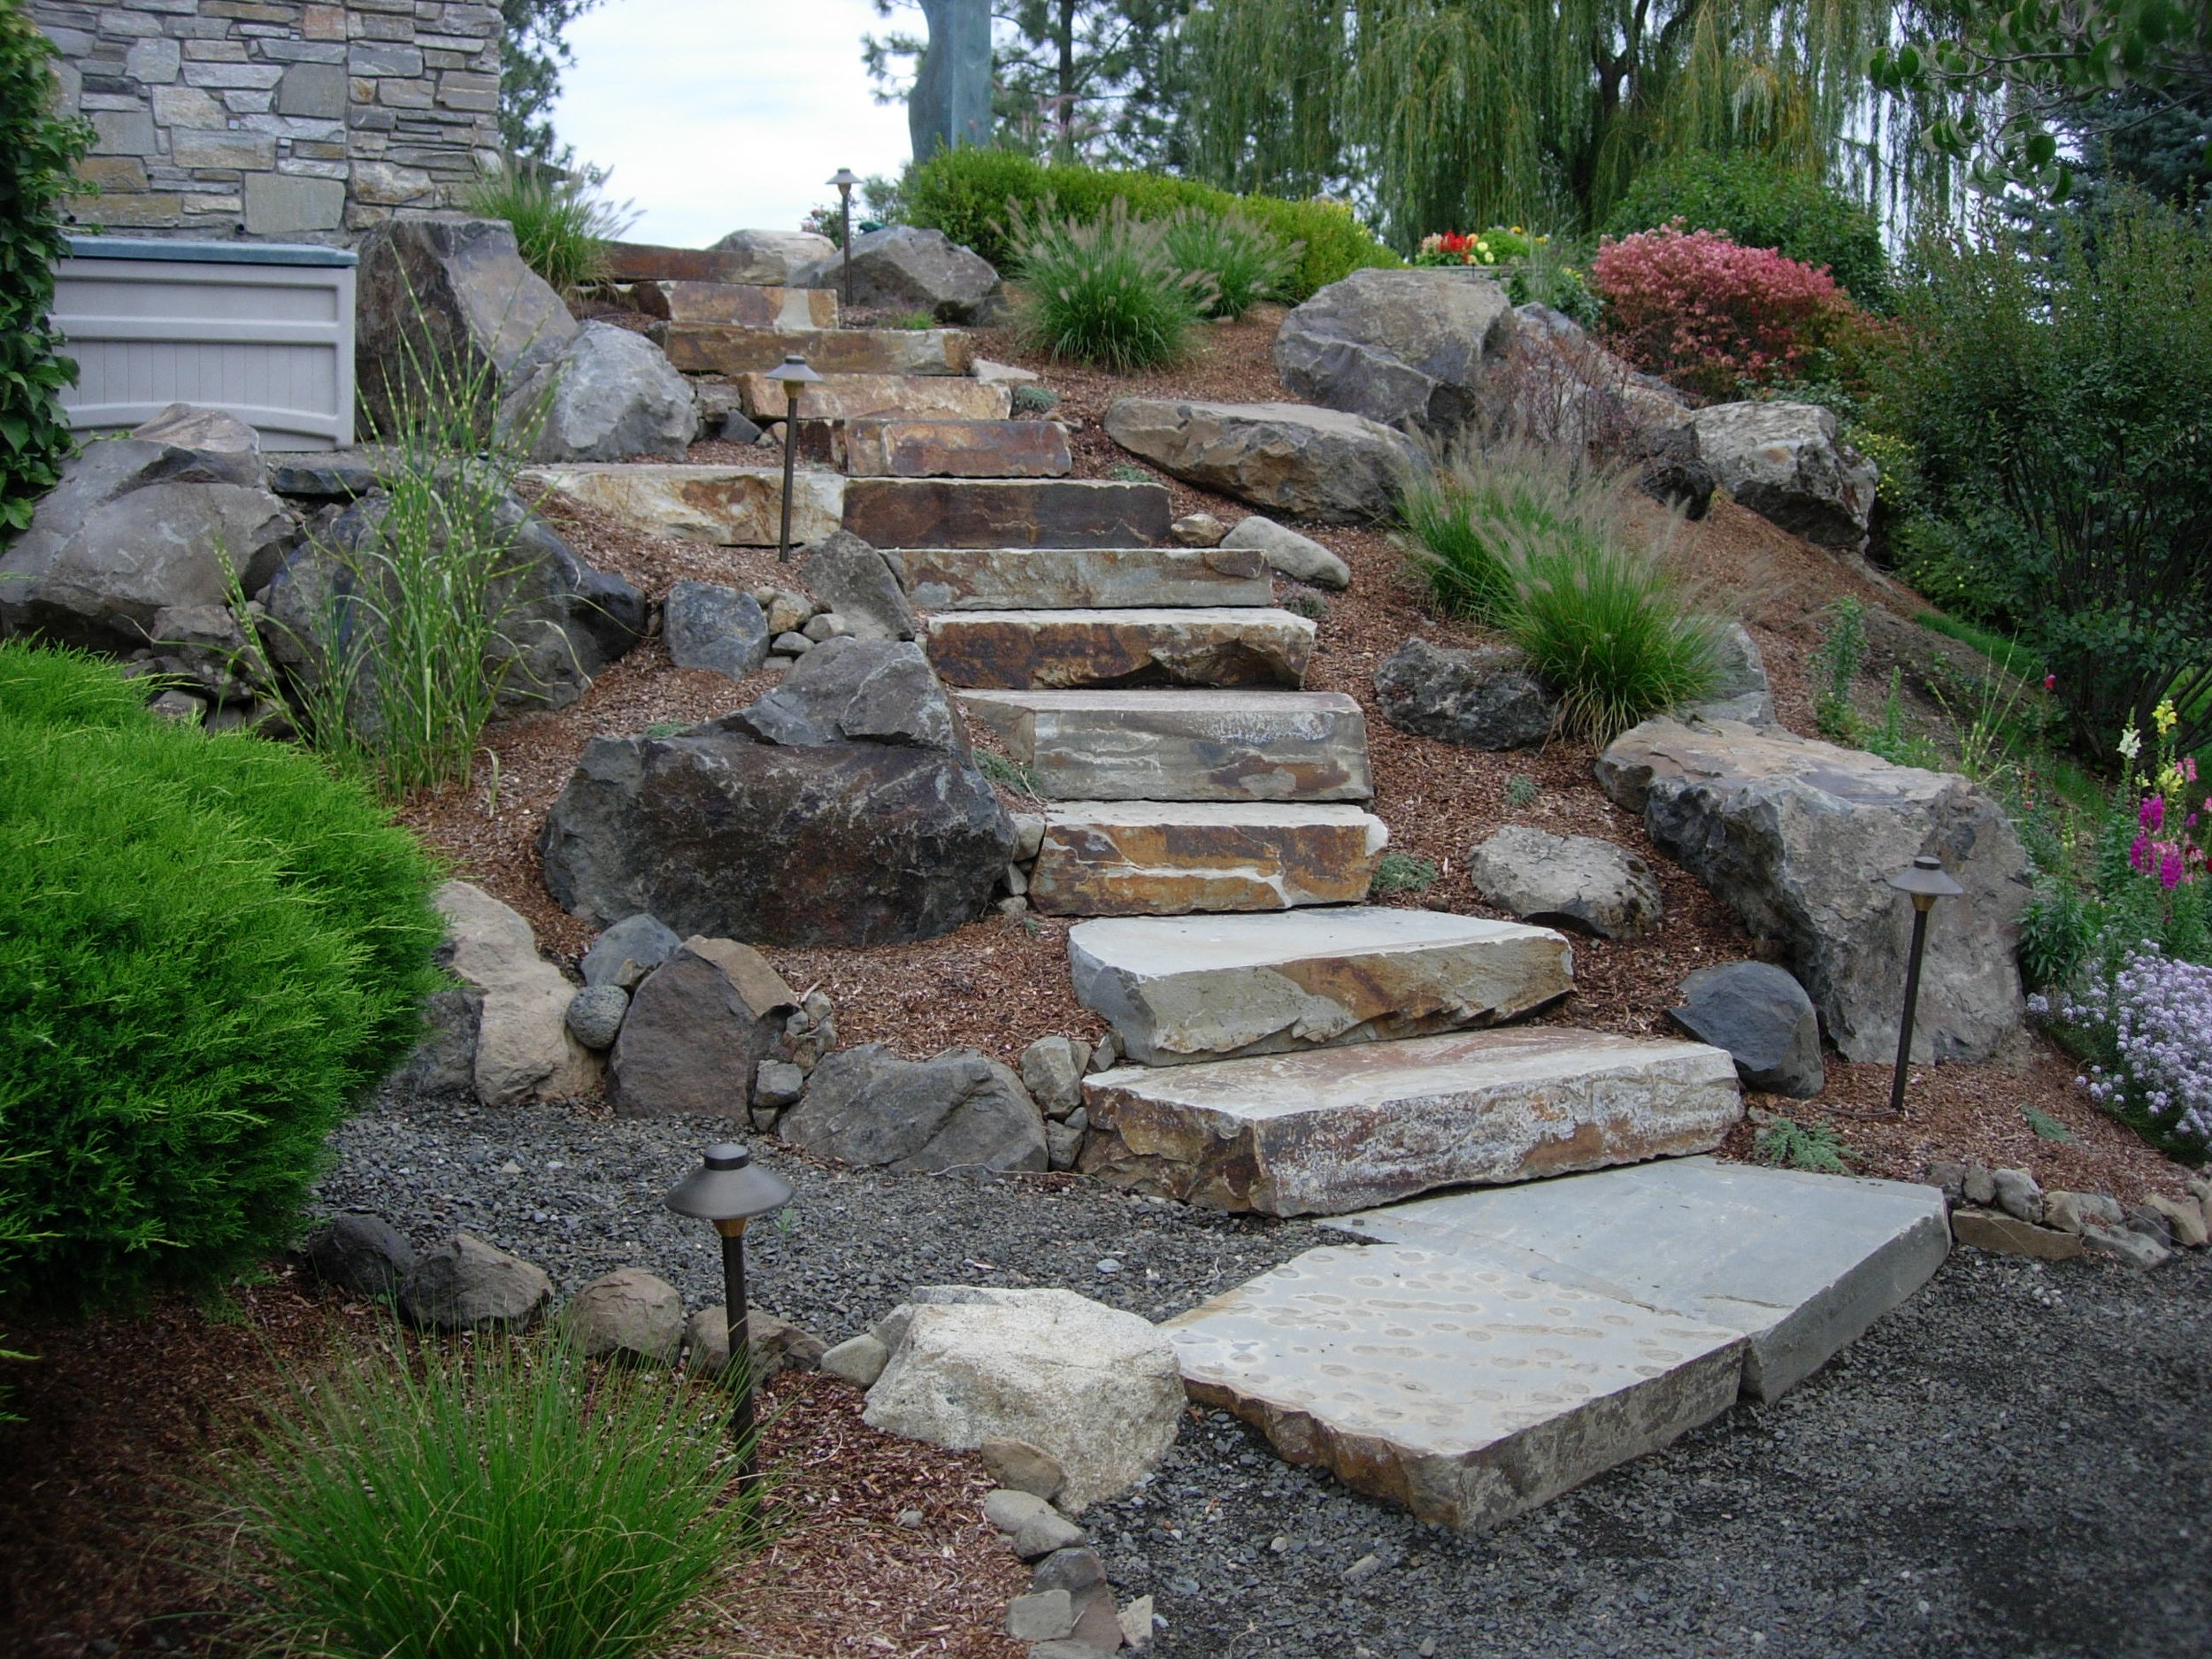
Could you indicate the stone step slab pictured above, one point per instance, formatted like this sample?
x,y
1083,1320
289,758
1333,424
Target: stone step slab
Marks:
x,y
1330,1131
1179,990
735,348
840,397
1079,577
737,305
647,262
731,506
889,512
1017,651
1173,857
1181,745
1453,1388
1801,1263
903,448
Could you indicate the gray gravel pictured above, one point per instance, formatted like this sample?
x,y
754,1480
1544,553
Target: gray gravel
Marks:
x,y
2016,1464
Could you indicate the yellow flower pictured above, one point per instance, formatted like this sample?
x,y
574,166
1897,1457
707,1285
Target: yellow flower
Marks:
x,y
2170,780
1517,230
2165,716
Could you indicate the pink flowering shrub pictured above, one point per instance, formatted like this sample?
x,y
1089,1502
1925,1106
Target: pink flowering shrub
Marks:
x,y
1709,315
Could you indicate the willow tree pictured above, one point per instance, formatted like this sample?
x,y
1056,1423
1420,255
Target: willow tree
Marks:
x,y
1461,113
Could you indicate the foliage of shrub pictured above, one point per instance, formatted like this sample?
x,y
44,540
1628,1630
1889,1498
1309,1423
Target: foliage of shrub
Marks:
x,y
1536,543
37,149
209,946
562,224
964,193
1711,316
505,1499
1245,263
1109,292
1538,269
1757,201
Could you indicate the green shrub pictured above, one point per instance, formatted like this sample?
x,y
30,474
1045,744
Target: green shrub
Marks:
x,y
1798,1146
1400,872
506,1500
1759,201
209,946
561,224
964,193
37,151
1835,666
1245,263
1108,292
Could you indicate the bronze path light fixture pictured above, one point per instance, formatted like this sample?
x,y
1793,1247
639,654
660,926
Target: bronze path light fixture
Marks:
x,y
730,1190
1926,882
793,374
845,179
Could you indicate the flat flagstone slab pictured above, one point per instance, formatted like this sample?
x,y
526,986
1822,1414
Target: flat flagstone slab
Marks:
x,y
1330,1131
1180,989
1077,578
739,305
646,262
738,348
1801,1263
1454,1388
1181,745
1014,650
903,448
889,512
838,396
733,506
1173,857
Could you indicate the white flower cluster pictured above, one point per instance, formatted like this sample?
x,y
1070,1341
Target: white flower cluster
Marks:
x,y
2157,1014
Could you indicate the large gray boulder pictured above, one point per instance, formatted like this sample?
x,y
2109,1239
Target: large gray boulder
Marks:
x,y
848,576
697,1031
138,527
1789,463
467,1285
1765,1021
1795,836
850,844
707,625
611,395
774,258
856,691
452,297
1485,697
958,1110
1555,385
1588,884
1301,461
523,1050
905,269
1740,690
1408,349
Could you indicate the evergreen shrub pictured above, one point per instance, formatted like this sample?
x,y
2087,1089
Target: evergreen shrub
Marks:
x,y
1108,292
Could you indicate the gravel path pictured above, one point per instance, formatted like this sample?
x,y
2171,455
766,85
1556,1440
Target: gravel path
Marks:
x,y
2016,1464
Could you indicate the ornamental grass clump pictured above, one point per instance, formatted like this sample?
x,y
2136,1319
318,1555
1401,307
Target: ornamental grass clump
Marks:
x,y
1245,263
561,224
506,1499
1110,292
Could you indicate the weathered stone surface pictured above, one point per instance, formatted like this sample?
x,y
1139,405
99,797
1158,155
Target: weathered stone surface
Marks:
x,y
732,506
2137,1249
208,432
630,1314
1097,1389
611,395
1052,1072
454,292
877,447
888,512
1740,691
629,950
1015,650
850,397
1182,745
523,1048
1333,1130
466,1285
2070,1212
1401,348
699,347
688,305
444,1061
1764,1018
2185,1218
776,1345
905,269
856,691
1291,458
958,1110
1197,529
1788,463
758,256
1074,578
1213,987
1018,1466
1300,557
697,1029
1171,857
710,627
2005,1235
853,579
1556,386
594,1015
858,1359
1485,697
365,1254
1462,1391
1574,881
1795,836
773,257
1802,1265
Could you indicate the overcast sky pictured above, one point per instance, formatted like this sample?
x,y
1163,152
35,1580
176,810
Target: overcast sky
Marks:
x,y
722,115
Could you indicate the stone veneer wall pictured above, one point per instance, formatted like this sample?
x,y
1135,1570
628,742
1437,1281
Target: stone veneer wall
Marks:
x,y
281,119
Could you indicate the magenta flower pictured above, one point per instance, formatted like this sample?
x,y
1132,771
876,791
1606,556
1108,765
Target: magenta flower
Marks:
x,y
2169,867
2152,814
2188,768
2050,682
2139,855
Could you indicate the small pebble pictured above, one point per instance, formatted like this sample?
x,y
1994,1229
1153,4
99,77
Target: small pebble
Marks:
x,y
911,1519
1109,1265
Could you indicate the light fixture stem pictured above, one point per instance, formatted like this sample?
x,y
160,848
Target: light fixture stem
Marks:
x,y
740,1371
1912,1001
790,456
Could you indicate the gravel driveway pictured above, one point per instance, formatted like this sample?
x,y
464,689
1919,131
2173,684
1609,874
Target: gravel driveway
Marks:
x,y
2016,1464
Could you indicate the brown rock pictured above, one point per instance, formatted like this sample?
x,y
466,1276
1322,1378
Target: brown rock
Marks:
x,y
1021,1467
1986,1229
878,448
1170,858
738,305
736,349
842,396
2185,1218
643,262
1004,512
697,1030
1076,578
1017,650
730,506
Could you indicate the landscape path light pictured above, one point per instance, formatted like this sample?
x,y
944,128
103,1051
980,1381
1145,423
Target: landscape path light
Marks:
x,y
792,375
844,179
1925,881
729,1189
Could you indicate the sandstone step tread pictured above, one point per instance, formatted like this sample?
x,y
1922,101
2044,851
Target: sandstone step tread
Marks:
x,y
1174,858
1330,1130
739,348
923,512
1080,579
840,397
1183,990
1200,645
737,304
731,506
881,446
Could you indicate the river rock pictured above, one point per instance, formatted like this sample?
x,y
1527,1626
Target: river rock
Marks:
x,y
1789,463
365,1254
1291,458
708,625
958,1110
1406,348
611,395
523,1048
903,268
1765,1021
466,1285
1590,886
594,1015
697,1030
773,259
1485,697
629,950
629,1314
1300,557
